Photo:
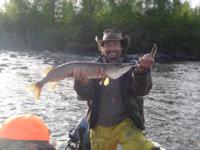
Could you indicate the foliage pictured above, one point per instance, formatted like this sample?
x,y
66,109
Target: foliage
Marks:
x,y
72,24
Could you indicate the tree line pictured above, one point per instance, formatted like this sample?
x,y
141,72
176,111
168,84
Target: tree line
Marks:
x,y
73,24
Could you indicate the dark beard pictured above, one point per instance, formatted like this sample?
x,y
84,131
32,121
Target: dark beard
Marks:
x,y
113,57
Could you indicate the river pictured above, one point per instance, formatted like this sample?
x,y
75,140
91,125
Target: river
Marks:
x,y
172,108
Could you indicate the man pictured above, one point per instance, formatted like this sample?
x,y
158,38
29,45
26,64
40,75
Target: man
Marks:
x,y
25,132
115,112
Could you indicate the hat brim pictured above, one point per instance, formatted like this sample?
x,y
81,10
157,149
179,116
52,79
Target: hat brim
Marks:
x,y
125,41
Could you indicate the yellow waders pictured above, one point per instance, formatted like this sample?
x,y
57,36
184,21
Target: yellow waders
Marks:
x,y
125,134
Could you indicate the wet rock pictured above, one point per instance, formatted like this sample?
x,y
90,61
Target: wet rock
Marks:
x,y
163,57
39,57
46,52
13,56
180,56
4,59
24,67
194,57
4,65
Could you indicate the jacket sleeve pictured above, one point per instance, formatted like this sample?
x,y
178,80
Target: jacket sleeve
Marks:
x,y
141,83
85,92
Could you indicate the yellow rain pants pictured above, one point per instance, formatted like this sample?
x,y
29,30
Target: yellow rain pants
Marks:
x,y
125,134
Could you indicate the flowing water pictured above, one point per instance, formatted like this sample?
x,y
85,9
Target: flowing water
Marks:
x,y
172,108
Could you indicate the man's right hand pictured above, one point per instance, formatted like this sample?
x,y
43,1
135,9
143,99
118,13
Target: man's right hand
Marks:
x,y
80,76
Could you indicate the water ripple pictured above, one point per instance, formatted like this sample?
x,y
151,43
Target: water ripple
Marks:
x,y
172,108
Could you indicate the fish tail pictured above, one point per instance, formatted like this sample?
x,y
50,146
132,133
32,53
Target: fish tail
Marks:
x,y
47,70
36,88
52,85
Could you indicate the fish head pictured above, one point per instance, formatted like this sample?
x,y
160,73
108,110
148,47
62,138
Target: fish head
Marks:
x,y
115,71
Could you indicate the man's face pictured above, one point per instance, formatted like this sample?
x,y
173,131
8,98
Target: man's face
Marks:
x,y
112,50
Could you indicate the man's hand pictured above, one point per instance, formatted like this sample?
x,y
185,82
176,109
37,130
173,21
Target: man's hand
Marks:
x,y
147,60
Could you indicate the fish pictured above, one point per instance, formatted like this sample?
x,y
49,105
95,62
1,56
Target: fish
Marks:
x,y
90,69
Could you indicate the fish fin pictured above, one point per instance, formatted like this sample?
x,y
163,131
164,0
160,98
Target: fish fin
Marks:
x,y
47,70
104,81
36,89
52,85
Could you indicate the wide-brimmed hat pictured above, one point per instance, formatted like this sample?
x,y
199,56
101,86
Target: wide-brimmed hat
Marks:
x,y
113,35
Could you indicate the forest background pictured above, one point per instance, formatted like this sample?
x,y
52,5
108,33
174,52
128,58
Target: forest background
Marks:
x,y
71,25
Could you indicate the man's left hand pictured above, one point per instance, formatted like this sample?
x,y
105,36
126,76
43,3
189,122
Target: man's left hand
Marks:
x,y
145,62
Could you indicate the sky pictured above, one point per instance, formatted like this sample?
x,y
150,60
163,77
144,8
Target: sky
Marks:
x,y
1,3
193,3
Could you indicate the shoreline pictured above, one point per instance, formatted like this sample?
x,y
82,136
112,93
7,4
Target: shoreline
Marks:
x,y
161,57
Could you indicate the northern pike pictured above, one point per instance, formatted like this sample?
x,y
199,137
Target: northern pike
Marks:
x,y
90,69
